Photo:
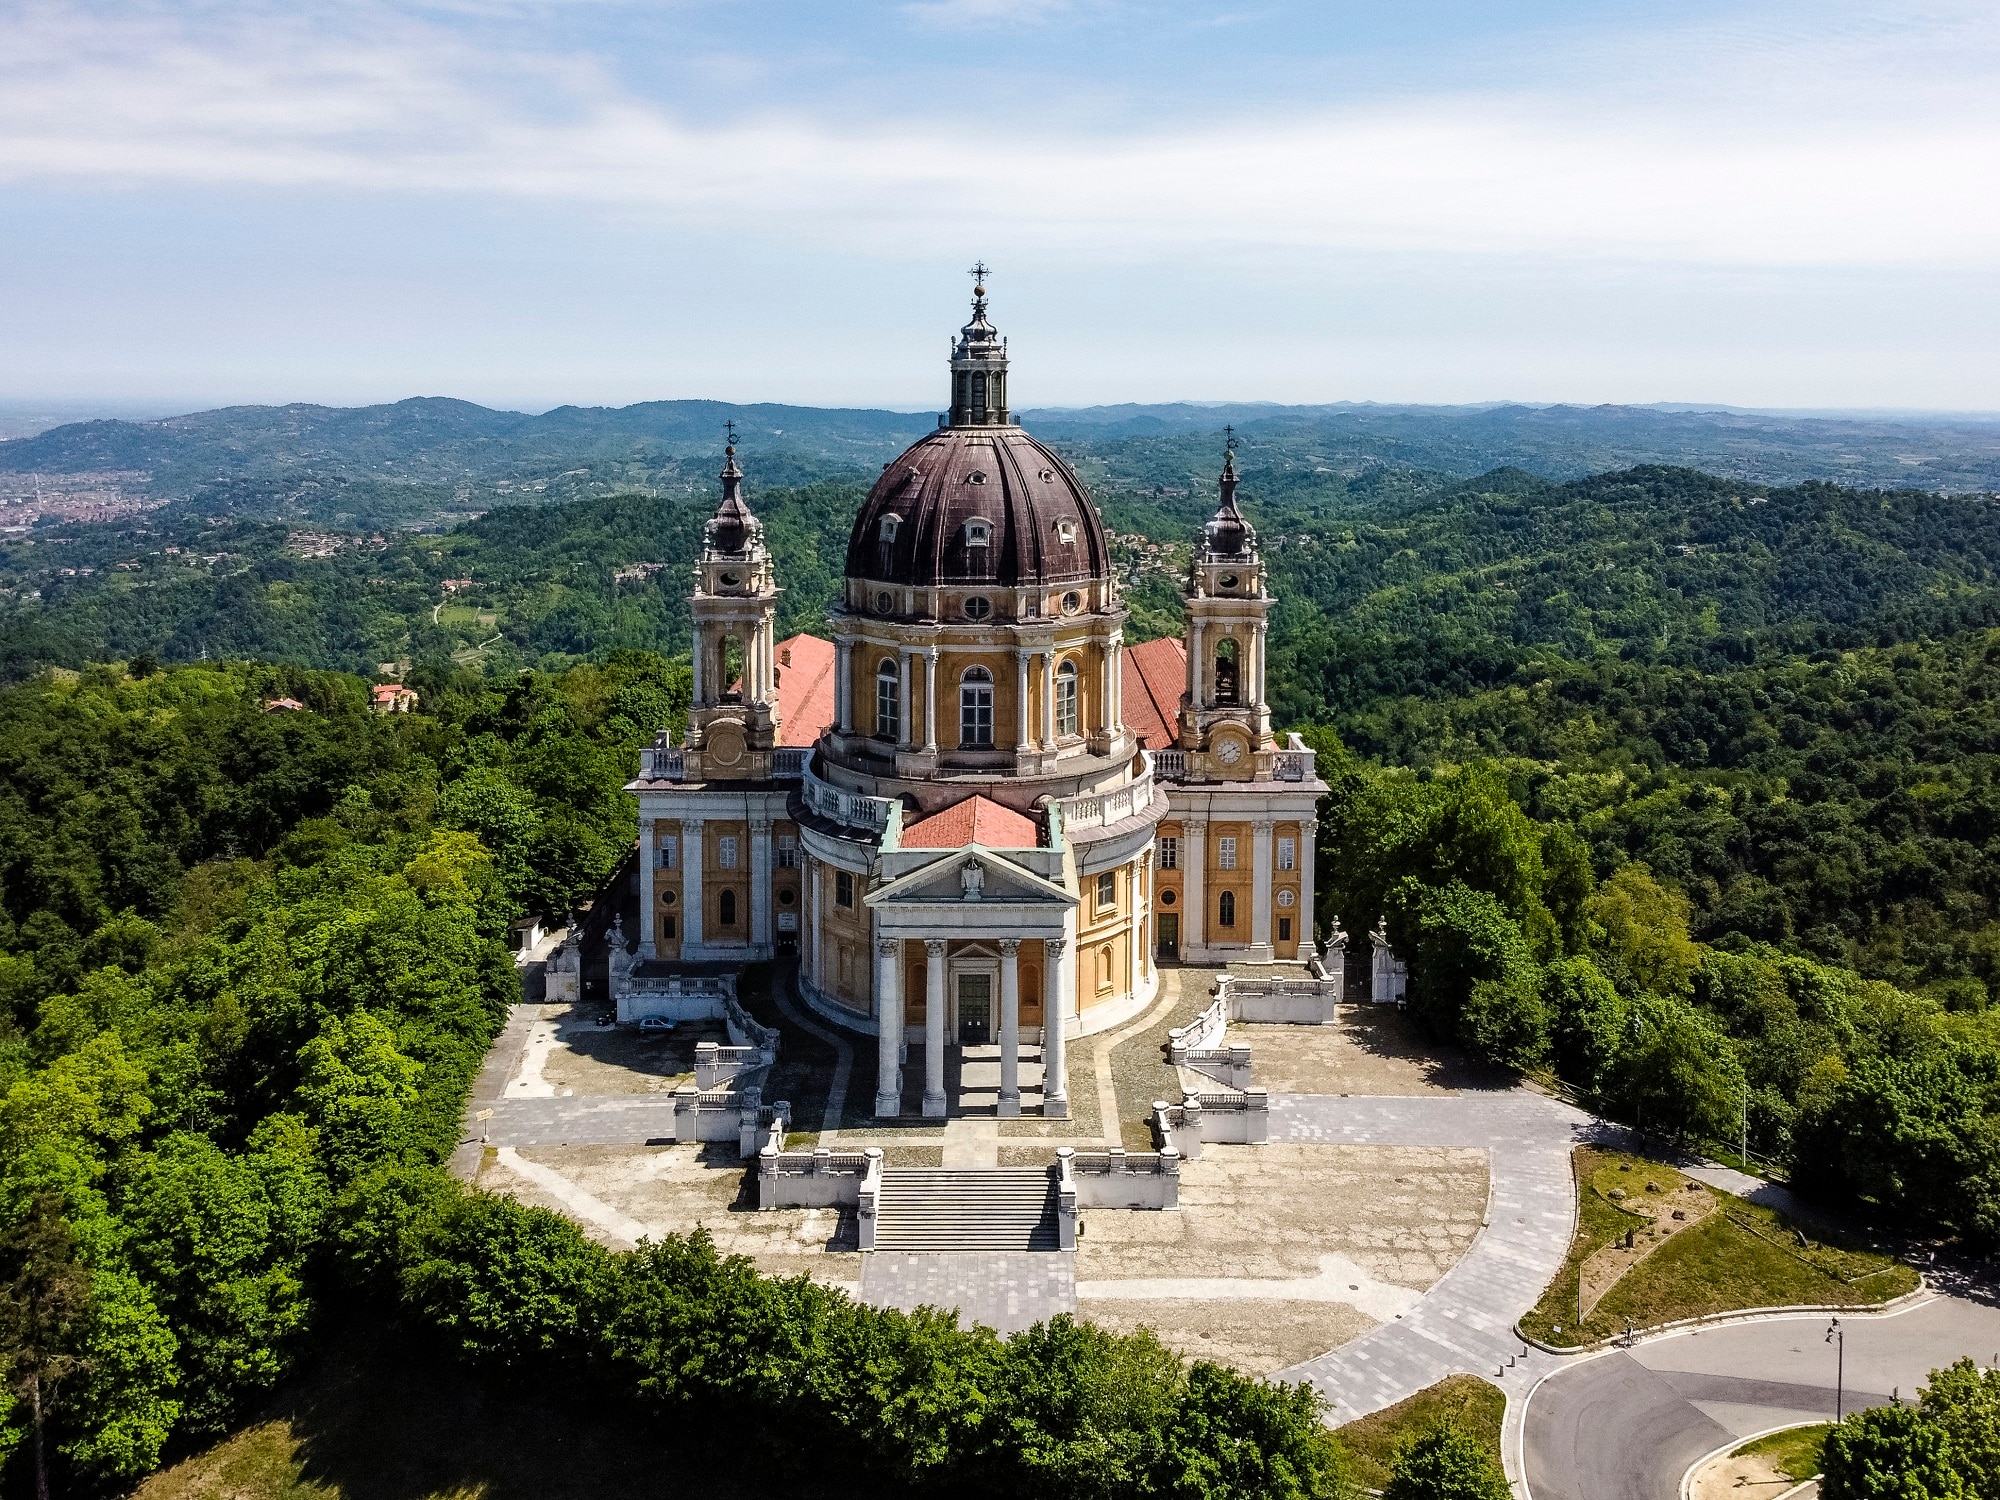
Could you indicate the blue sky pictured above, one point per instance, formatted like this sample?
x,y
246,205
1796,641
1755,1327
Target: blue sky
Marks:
x,y
602,201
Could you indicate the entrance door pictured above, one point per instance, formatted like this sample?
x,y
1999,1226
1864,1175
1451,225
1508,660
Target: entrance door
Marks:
x,y
975,1010
1170,936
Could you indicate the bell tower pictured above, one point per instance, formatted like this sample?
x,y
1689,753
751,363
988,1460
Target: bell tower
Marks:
x,y
979,366
1223,713
733,720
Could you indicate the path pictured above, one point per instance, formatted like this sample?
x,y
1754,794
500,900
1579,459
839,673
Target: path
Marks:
x,y
1464,1323
1625,1425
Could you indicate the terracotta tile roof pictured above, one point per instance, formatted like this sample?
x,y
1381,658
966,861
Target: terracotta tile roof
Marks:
x,y
805,689
1154,677
976,820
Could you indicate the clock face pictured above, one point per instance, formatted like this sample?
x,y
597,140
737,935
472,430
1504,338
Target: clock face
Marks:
x,y
1229,752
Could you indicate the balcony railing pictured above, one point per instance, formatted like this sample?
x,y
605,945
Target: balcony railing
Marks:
x,y
1293,763
1102,809
662,763
790,762
850,809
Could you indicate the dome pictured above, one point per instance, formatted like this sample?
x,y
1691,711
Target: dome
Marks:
x,y
978,504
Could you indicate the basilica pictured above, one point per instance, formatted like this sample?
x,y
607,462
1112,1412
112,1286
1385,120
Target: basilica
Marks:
x,y
975,814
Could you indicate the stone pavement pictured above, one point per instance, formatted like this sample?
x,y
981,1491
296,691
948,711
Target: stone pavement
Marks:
x,y
1464,1323
577,1120
1005,1290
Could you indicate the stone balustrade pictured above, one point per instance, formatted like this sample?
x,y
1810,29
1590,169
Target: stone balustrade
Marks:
x,y
1104,809
1242,1119
868,1199
715,1064
821,1178
849,809
1118,1179
728,1115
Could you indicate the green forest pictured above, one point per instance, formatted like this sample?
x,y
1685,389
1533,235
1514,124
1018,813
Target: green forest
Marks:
x,y
1675,790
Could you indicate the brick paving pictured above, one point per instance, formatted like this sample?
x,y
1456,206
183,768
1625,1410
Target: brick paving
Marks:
x,y
1005,1290
579,1120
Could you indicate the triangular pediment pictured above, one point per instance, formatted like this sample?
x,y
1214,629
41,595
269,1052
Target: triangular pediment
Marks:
x,y
995,880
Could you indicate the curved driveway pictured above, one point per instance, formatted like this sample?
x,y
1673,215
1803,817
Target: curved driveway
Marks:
x,y
1626,1425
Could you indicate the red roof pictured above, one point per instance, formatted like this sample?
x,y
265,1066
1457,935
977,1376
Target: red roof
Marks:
x,y
1153,680
976,820
805,689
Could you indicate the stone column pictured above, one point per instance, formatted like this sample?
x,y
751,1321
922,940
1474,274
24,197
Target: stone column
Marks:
x,y
934,1008
1116,720
1194,869
1055,1083
648,854
1132,907
1022,739
930,701
694,851
888,1027
904,704
843,686
1308,848
1107,698
1258,640
809,919
1049,700
1260,891
760,884
695,661
1010,1027
1195,674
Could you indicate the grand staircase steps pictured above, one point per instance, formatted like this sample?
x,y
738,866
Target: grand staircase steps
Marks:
x,y
983,1208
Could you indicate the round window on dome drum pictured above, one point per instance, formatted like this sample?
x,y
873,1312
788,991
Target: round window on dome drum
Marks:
x,y
884,604
977,608
1072,602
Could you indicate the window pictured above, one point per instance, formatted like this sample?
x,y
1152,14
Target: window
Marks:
x,y
1287,897
1287,854
1226,676
1225,853
667,925
1065,530
977,608
889,525
1284,929
1072,602
725,851
1107,890
1170,854
663,858
788,852
978,533
1225,909
843,888
885,603
975,709
725,909
888,702
1066,698
1104,968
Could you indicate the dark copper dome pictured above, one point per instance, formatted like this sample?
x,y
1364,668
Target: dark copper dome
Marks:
x,y
923,521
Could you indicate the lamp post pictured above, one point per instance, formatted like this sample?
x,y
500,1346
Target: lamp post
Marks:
x,y
1837,1336
1745,1151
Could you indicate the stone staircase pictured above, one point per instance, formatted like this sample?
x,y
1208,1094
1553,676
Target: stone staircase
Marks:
x,y
987,1208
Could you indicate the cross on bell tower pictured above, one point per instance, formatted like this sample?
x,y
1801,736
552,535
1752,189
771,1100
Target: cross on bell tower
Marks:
x,y
979,365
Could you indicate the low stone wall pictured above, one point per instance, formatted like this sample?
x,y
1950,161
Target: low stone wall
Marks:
x,y
821,1178
1120,1179
679,998
1282,1002
738,1115
868,1198
1229,1066
715,1064
1238,1119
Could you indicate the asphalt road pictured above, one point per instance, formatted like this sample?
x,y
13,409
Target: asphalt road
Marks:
x,y
1626,1425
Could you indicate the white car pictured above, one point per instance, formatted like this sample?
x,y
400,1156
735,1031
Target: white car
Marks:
x,y
656,1023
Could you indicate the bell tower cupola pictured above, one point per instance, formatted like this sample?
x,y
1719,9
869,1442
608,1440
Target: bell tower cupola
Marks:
x,y
1223,712
733,717
979,366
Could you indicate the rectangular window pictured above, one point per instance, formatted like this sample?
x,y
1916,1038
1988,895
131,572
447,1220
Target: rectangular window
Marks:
x,y
1225,853
843,888
889,706
1170,854
975,715
1287,858
667,925
1284,929
788,852
725,851
1107,890
664,859
1066,699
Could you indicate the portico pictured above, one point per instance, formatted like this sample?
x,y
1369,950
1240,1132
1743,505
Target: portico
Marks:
x,y
972,948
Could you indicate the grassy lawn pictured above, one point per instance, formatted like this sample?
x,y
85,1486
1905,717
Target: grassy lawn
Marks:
x,y
373,1419
1742,1256
1795,1452
1465,1400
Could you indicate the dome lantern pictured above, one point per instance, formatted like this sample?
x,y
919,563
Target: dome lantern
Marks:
x,y
979,366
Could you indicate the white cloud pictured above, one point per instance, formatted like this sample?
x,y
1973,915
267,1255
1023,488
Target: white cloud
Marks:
x,y
369,99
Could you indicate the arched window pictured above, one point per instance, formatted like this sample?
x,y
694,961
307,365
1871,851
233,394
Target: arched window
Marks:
x,y
889,525
1227,677
725,909
1225,912
975,709
1104,968
888,701
1066,698
732,669
979,395
978,533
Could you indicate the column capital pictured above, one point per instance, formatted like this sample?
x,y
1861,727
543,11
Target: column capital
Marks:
x,y
760,823
1053,947
887,946
934,947
1262,825
1308,827
692,825
929,654
1194,827
1009,947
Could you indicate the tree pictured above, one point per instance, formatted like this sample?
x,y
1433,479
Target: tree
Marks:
x,y
1445,1463
1473,977
1678,1071
1963,1402
1646,925
44,1303
1588,1019
1889,1453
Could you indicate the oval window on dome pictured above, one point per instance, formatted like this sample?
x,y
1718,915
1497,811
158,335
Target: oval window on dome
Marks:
x,y
977,476
884,603
1047,476
1072,602
978,608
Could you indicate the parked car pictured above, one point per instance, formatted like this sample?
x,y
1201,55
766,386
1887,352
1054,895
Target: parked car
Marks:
x,y
656,1023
